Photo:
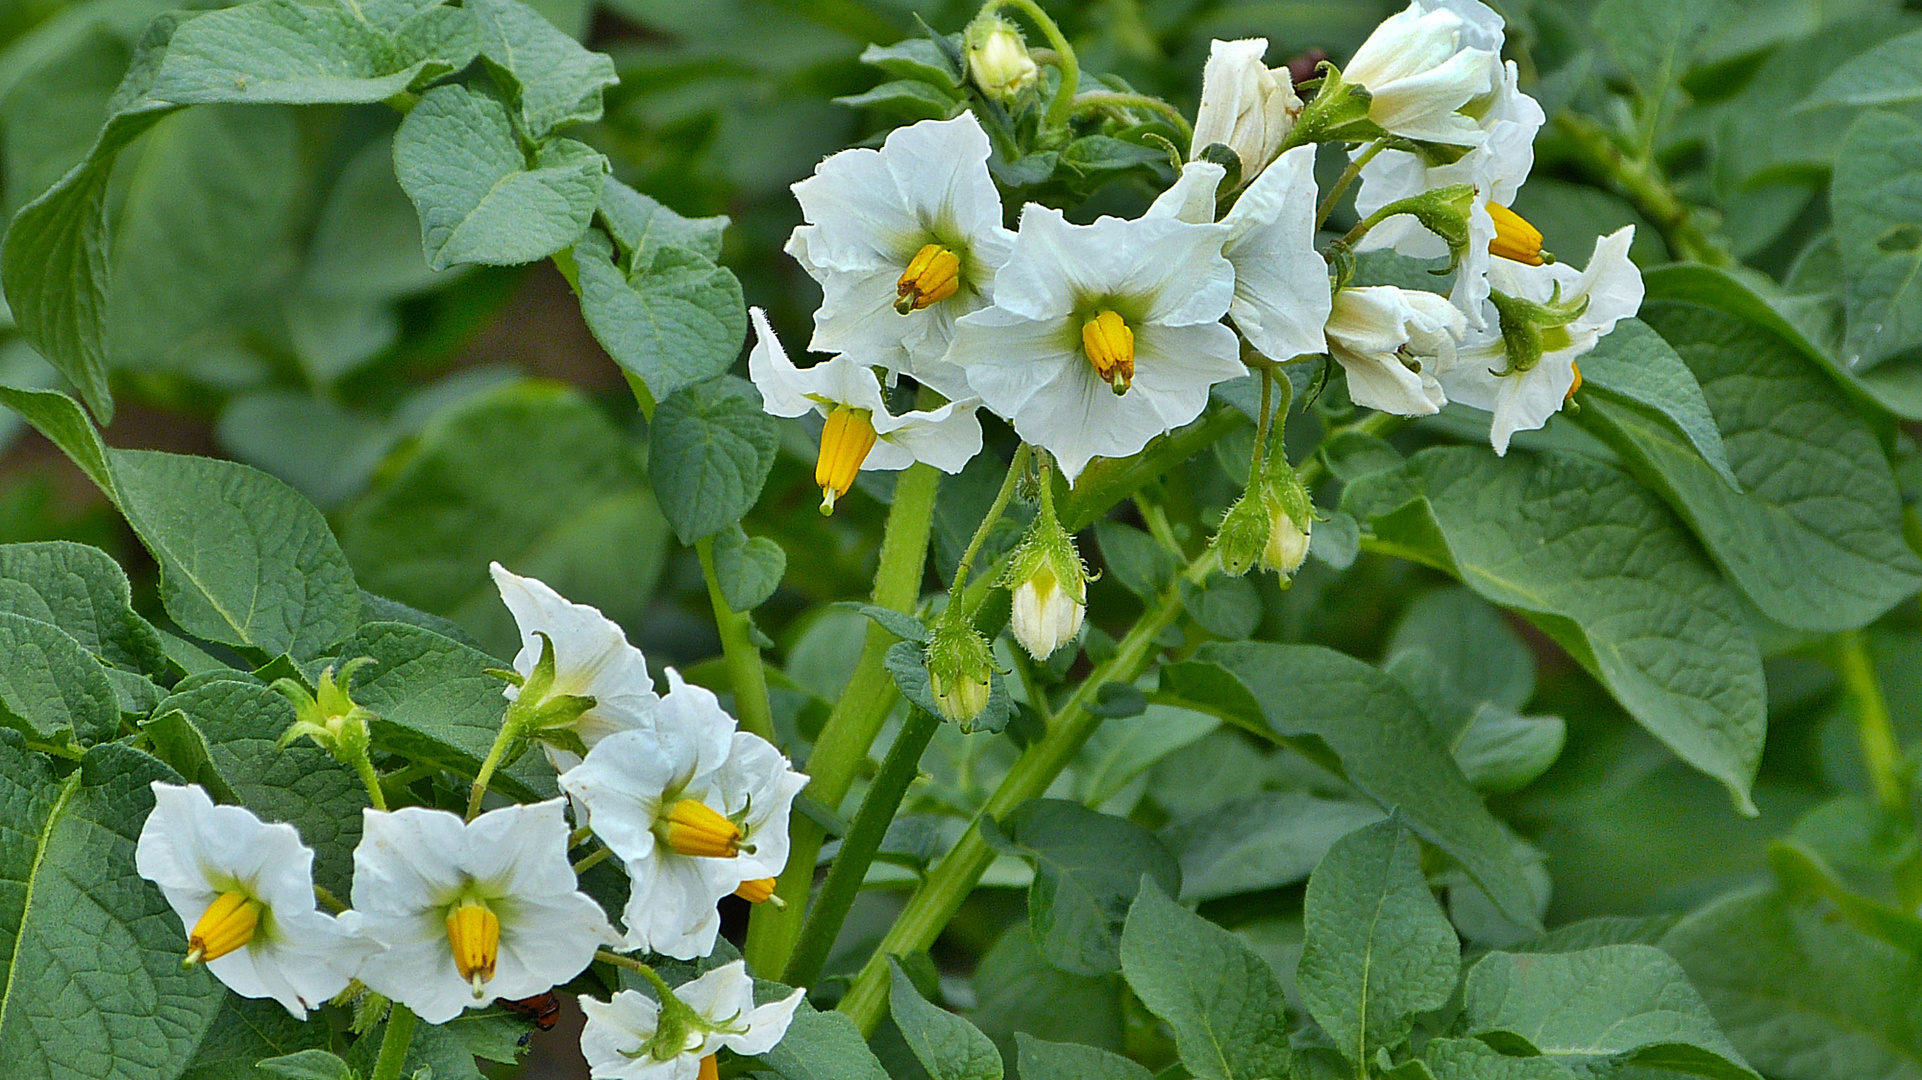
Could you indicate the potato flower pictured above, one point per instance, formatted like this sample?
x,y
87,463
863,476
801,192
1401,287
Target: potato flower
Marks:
x,y
634,1037
244,891
1394,344
1423,64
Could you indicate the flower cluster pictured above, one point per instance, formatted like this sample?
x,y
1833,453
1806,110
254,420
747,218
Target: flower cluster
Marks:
x,y
451,913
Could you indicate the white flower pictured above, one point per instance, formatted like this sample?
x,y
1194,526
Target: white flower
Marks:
x,y
1509,120
861,433
1423,64
471,911
1102,336
591,659
1244,105
1524,400
1393,343
244,891
618,1032
914,227
693,809
1281,282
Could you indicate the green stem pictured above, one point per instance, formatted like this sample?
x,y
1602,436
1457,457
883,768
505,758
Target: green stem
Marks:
x,y
1346,178
855,719
590,861
393,1045
68,752
878,807
322,894
1063,103
493,760
931,907
371,779
653,977
1095,99
1640,182
995,510
1881,754
742,656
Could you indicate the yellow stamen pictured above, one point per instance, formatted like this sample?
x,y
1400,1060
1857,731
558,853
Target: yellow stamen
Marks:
x,y
694,828
933,275
225,926
760,891
710,1069
1515,238
474,933
1110,346
1574,386
845,441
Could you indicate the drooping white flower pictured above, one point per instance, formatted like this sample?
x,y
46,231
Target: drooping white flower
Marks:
x,y
471,911
1281,281
1611,290
1102,336
1245,106
1393,344
591,659
694,809
860,432
620,1036
1423,64
1497,168
903,240
244,891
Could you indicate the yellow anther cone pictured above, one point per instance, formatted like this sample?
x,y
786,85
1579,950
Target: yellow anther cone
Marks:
x,y
933,275
227,925
1515,238
1110,346
710,1069
759,891
846,439
694,828
474,935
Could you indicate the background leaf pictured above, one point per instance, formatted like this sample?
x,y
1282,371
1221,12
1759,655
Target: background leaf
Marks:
x,y
946,1045
709,451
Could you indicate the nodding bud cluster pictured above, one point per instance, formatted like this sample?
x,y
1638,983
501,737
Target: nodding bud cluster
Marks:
x,y
998,58
1050,586
960,668
328,715
1269,525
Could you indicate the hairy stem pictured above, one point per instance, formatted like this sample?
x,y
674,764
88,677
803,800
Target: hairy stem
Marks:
x,y
1098,99
393,1045
1346,178
1063,103
1641,182
995,510
376,796
940,896
489,764
738,651
1881,754
843,884
856,718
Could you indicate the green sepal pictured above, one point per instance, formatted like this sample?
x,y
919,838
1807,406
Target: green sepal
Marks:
x,y
1339,113
1530,328
960,668
1244,531
1443,211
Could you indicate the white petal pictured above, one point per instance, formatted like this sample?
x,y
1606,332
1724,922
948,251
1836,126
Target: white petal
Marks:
x,y
417,966
859,216
616,1029
1192,197
520,849
545,941
309,958
1281,295
671,906
946,438
408,860
941,168
766,1025
1007,356
784,392
721,995
591,654
1526,401
619,789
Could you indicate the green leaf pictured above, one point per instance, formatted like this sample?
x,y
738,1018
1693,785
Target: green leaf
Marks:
x,y
531,475
366,243
643,227
1043,1060
1598,1010
244,560
246,1031
946,1045
549,77
1138,563
749,568
286,53
914,58
823,1046
1655,42
1814,536
1632,365
1260,842
1877,202
51,687
239,724
1601,565
676,321
84,592
54,107
1889,74
1387,749
1016,989
55,254
1226,1008
1088,867
1472,1059
1096,154
909,99
709,451
1377,948
1227,607
1122,749
93,984
481,199
63,422
308,1065
1801,994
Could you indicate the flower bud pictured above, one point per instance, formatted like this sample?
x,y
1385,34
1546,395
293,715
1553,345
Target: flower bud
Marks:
x,y
1245,106
960,670
998,58
1291,517
1050,586
329,716
1243,534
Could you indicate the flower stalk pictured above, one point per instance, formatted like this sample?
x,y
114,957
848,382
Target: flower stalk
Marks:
x,y
738,651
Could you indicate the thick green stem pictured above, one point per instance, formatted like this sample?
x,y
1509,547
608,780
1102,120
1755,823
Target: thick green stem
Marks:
x,y
1881,754
932,906
393,1045
1063,103
850,869
738,651
375,795
1346,178
856,718
1641,182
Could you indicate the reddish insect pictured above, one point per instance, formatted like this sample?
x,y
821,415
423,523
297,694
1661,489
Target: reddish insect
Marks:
x,y
543,1009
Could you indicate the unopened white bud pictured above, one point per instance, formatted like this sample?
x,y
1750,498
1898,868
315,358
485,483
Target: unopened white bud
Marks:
x,y
1245,106
998,58
1287,544
1045,616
